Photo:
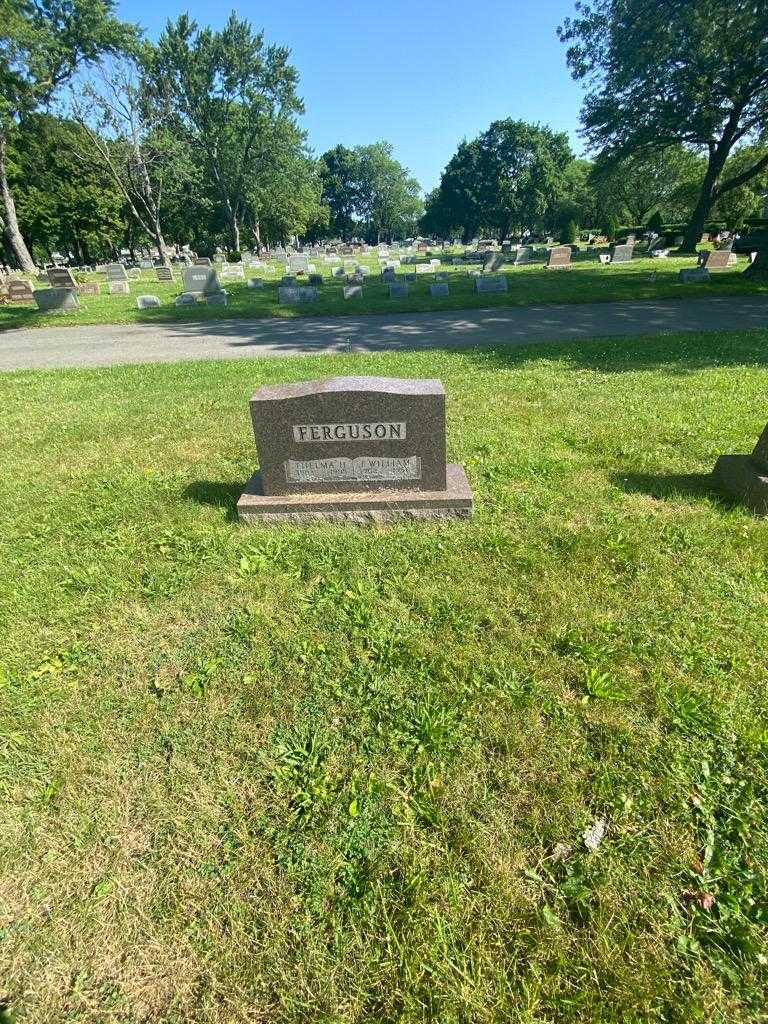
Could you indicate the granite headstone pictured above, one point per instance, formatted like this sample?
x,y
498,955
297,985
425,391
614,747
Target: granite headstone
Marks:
x,y
353,447
746,476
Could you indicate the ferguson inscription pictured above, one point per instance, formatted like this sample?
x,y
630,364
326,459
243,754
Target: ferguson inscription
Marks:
x,y
349,432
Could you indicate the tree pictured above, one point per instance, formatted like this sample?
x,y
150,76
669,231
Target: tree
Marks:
x,y
62,202
740,204
674,71
132,136
514,176
228,90
388,198
634,186
283,191
461,190
42,45
578,201
339,173
523,166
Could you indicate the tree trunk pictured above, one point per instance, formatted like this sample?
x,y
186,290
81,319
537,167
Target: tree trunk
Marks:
x,y
695,228
160,244
11,232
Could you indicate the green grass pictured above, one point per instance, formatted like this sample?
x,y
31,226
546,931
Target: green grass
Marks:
x,y
585,281
340,774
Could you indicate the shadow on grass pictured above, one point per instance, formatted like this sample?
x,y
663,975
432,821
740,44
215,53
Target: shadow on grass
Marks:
x,y
673,485
223,494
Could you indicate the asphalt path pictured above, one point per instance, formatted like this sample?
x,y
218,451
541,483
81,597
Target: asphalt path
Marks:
x,y
238,339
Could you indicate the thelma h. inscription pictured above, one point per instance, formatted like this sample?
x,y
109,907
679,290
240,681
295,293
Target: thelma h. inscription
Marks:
x,y
363,468
349,432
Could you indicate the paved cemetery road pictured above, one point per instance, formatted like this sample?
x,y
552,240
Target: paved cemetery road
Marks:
x,y
231,339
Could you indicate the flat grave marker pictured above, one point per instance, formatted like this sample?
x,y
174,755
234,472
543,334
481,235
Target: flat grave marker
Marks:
x,y
490,285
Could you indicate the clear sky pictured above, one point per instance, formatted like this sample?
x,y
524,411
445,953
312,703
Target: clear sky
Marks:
x,y
421,74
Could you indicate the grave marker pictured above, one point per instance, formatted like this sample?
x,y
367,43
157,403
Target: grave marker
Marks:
x,y
61,277
20,291
201,280
746,476
491,285
56,300
355,448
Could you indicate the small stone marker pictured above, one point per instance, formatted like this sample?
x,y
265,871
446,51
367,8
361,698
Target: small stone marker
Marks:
x,y
61,277
559,257
216,299
337,272
296,293
316,279
89,288
164,273
424,268
147,301
493,261
56,300
202,261
116,272
439,291
186,299
746,476
255,282
298,262
491,284
20,291
201,280
119,287
622,253
694,275
352,291
352,448
398,290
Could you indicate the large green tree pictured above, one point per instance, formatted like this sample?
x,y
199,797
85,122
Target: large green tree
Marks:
x,y
42,44
523,173
131,134
228,90
388,197
63,202
338,169
513,177
632,188
674,71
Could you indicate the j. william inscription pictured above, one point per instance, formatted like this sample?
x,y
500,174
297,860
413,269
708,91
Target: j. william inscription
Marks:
x,y
355,448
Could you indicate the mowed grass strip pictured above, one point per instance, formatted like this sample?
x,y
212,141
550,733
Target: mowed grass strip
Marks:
x,y
344,774
585,281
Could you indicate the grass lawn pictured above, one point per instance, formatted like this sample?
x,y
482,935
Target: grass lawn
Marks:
x,y
338,774
585,281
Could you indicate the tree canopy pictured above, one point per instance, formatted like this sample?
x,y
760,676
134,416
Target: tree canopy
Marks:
x,y
674,72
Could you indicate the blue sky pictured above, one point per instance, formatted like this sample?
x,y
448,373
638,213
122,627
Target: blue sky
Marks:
x,y
422,74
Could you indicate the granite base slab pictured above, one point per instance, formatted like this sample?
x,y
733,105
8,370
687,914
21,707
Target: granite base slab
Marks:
x,y
739,476
384,506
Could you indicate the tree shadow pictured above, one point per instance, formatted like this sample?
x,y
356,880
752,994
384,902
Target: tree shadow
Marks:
x,y
674,485
223,494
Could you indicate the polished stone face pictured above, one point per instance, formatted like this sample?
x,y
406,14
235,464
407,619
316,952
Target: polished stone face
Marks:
x,y
350,434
